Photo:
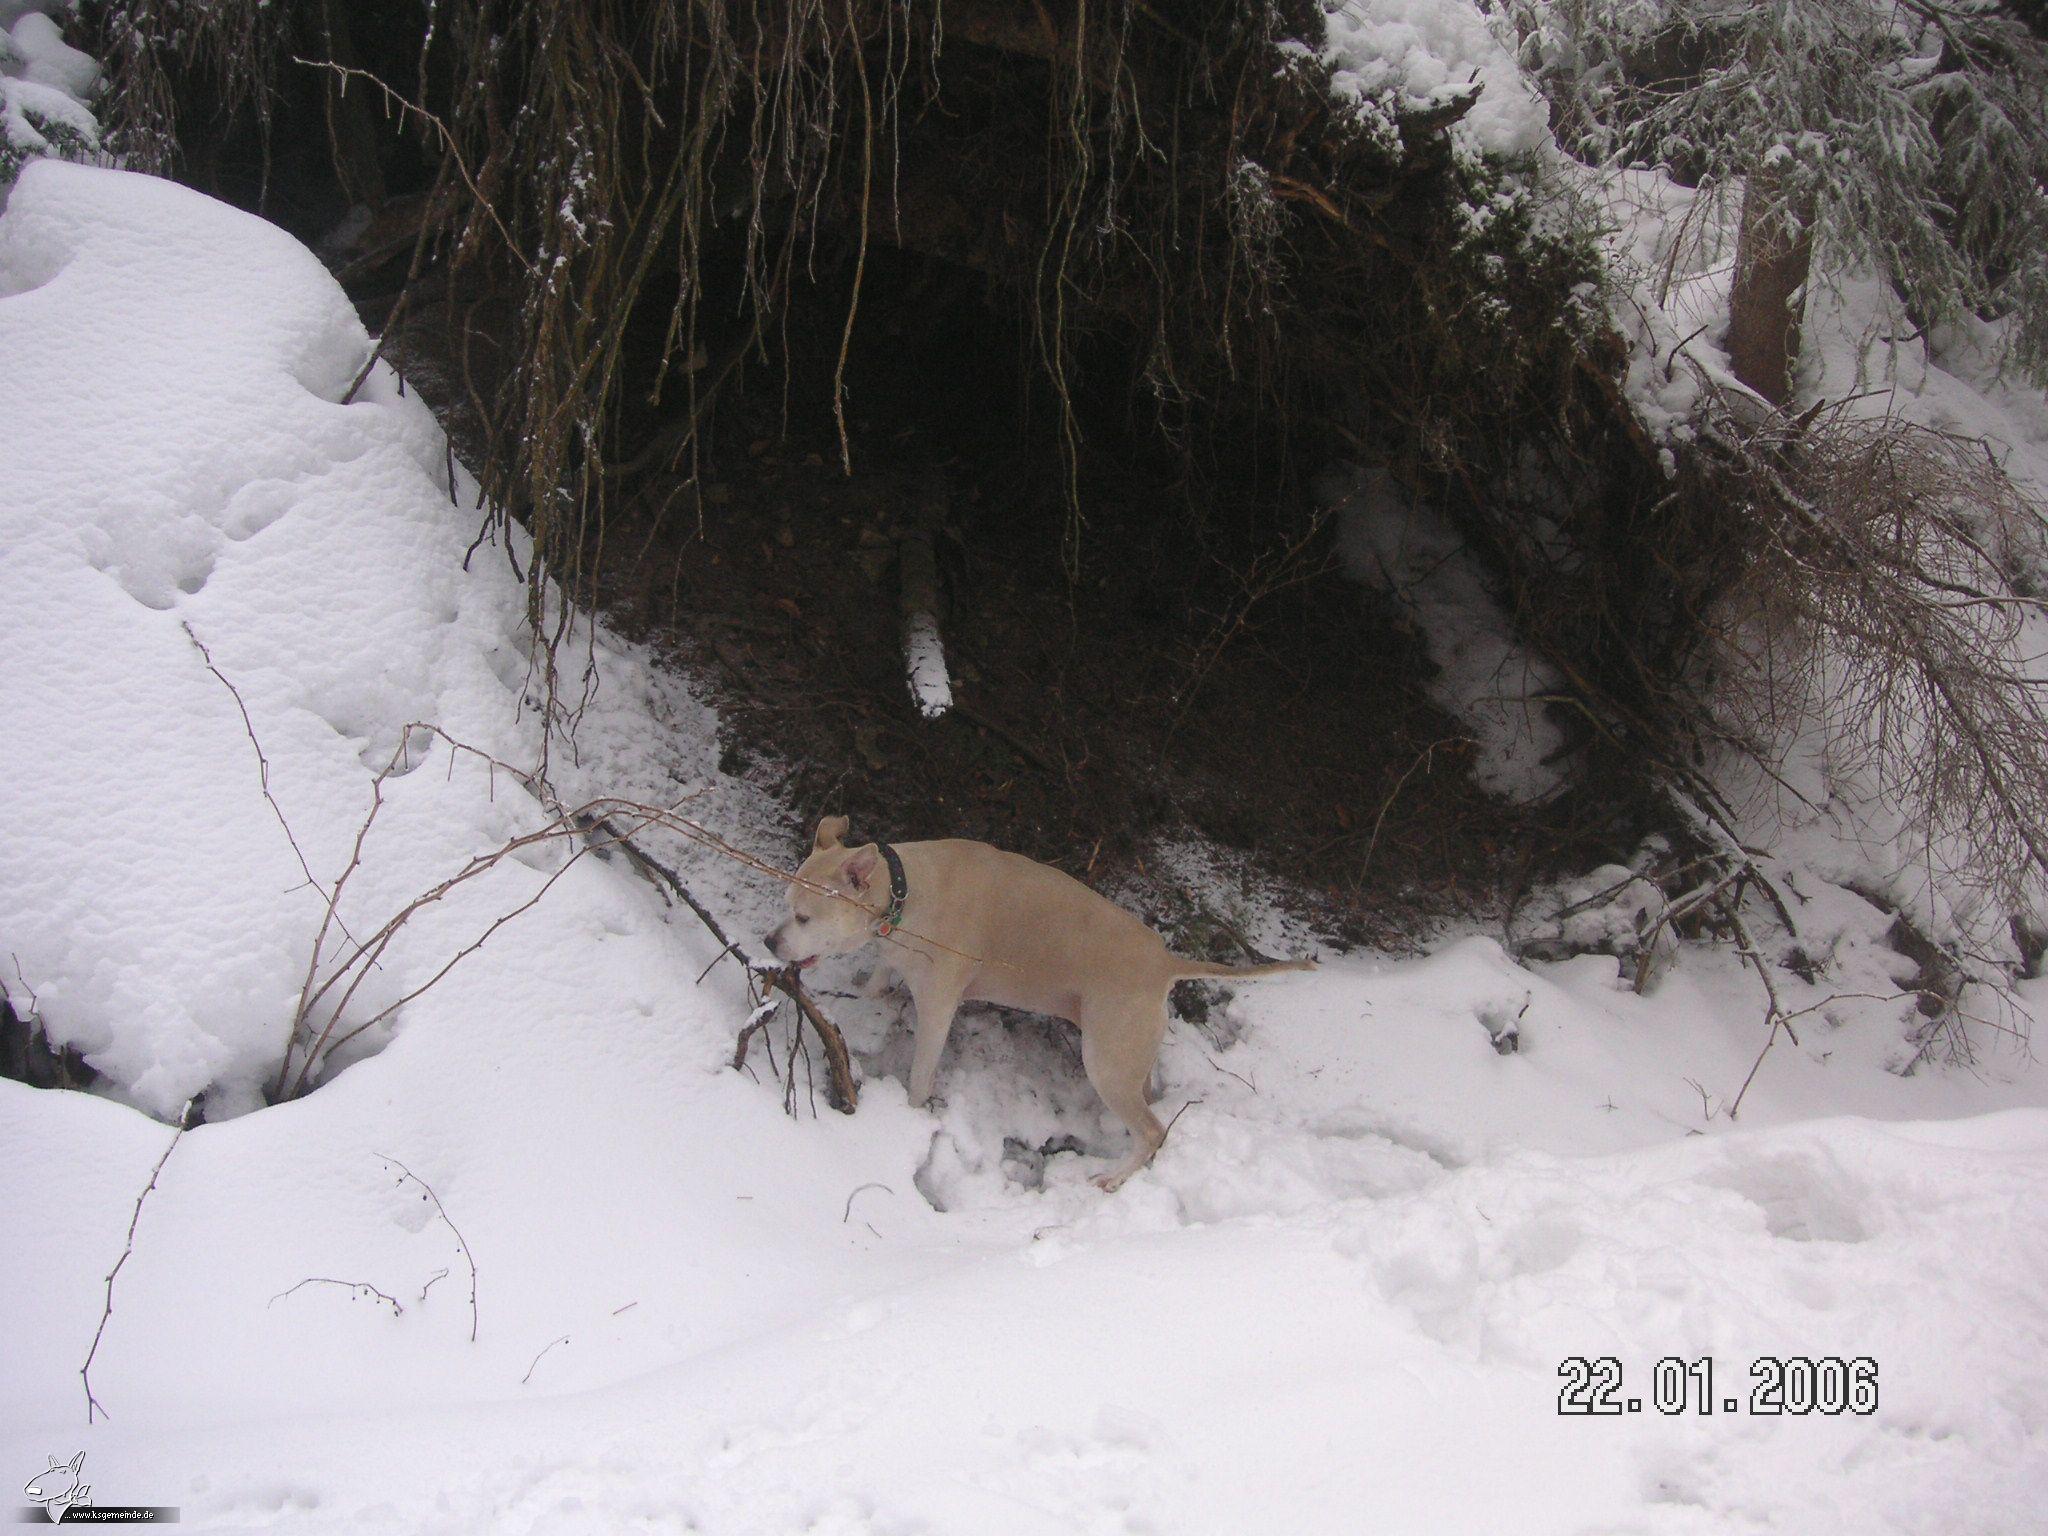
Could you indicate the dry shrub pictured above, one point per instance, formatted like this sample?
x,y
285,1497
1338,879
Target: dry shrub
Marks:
x,y
1884,621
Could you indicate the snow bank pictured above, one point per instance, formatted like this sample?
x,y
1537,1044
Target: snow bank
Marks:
x,y
178,472
1340,1299
1343,1294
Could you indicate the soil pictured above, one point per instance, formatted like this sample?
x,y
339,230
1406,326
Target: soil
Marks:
x,y
1193,679
1090,718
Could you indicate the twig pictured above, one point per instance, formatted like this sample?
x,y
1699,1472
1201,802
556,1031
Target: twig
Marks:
x,y
1706,1108
1228,1073
1422,758
536,1359
1774,1012
262,769
860,264
391,97
366,955
796,1044
847,1214
92,1404
460,1242
1683,907
356,1288
845,1093
757,1023
729,948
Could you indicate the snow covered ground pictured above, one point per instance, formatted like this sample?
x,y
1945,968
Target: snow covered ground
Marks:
x,y
1339,1301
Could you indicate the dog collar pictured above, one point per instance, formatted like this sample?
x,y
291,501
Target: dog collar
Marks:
x,y
899,888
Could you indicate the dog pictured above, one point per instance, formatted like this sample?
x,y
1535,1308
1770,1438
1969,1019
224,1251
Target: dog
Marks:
x,y
965,921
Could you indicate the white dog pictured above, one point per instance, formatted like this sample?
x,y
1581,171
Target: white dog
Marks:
x,y
967,921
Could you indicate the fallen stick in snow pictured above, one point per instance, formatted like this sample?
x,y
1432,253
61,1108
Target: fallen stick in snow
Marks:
x,y
348,971
844,1092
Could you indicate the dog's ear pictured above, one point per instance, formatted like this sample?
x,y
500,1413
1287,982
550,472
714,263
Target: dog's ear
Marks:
x,y
831,833
859,867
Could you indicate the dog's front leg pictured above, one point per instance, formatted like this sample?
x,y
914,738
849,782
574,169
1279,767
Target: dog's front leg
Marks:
x,y
936,999
880,982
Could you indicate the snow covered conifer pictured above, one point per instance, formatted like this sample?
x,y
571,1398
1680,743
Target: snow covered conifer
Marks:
x,y
44,87
1907,140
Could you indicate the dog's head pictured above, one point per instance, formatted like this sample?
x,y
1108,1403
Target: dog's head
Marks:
x,y
829,911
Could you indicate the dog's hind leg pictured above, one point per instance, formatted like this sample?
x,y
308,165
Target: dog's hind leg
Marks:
x,y
1118,1052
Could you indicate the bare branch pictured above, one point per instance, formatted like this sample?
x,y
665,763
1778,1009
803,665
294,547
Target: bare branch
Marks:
x,y
357,1289
93,1404
460,1242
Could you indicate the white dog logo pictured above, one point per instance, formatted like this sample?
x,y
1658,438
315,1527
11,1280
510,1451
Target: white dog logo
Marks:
x,y
58,1489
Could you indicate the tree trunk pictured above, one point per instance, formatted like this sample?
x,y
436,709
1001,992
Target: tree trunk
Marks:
x,y
1773,254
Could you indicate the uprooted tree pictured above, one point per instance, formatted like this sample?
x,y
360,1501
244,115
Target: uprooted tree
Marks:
x,y
1189,230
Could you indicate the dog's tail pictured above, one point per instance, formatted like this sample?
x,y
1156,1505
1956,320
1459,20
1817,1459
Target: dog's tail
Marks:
x,y
1185,969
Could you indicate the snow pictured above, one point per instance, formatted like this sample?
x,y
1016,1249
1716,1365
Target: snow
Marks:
x,y
48,60
1340,1299
1418,54
45,81
924,657
1485,677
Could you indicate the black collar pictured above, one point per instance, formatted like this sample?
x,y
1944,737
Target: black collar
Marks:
x,y
899,888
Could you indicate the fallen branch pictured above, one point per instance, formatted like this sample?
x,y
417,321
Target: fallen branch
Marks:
x,y
366,955
844,1092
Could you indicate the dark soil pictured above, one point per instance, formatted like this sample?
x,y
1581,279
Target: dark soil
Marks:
x,y
1168,690
1143,701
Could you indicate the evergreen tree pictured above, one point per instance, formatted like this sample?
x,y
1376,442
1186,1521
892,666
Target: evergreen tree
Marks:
x,y
1906,138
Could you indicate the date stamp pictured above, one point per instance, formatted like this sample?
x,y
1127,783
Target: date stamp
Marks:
x,y
1793,1385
